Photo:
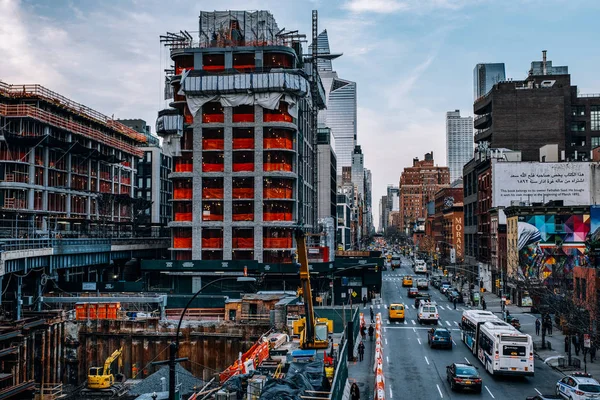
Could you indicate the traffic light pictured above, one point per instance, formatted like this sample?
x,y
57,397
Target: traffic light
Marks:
x,y
497,283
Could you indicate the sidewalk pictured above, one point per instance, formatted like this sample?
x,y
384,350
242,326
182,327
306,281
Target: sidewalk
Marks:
x,y
362,372
555,350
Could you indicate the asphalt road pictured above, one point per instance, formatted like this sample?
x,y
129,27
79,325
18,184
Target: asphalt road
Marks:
x,y
415,371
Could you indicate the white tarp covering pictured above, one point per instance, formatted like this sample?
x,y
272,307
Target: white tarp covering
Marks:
x,y
255,82
170,123
265,100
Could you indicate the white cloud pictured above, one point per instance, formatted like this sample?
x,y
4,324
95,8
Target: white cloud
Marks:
x,y
392,6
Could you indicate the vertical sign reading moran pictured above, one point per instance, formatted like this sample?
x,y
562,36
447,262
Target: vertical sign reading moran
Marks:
x,y
458,238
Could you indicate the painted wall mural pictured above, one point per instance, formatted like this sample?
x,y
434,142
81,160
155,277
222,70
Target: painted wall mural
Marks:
x,y
552,243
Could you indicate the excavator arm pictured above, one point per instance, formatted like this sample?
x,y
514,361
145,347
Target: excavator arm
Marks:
x,y
115,355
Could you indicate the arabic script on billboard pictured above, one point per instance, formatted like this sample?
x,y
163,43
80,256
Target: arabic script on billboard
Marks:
x,y
541,182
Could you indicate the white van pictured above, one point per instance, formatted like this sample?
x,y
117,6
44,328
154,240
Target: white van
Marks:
x,y
420,267
428,312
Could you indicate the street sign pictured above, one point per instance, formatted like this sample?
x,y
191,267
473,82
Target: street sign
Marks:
x,y
587,342
354,294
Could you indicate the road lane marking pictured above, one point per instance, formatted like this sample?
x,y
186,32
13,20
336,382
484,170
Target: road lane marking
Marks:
x,y
468,362
455,323
397,322
419,340
405,322
387,321
486,388
378,306
387,359
413,306
426,360
391,394
448,323
453,342
540,393
385,341
415,330
384,329
413,322
440,391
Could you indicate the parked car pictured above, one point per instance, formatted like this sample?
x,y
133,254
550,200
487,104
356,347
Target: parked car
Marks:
x,y
578,386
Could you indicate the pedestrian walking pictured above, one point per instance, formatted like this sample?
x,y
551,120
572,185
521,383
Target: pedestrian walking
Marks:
x,y
576,344
365,301
483,305
372,315
361,351
371,331
354,392
549,326
537,326
567,345
363,332
592,351
454,301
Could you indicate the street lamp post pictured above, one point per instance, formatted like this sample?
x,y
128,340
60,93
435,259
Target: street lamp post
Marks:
x,y
174,346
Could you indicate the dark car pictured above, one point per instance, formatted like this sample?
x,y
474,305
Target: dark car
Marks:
x,y
545,397
453,294
422,296
413,292
436,281
439,337
463,376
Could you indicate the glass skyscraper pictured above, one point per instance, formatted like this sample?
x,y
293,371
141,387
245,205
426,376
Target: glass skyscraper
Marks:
x,y
340,115
485,76
459,143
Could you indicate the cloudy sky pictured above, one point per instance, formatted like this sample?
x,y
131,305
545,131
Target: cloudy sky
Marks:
x,y
412,59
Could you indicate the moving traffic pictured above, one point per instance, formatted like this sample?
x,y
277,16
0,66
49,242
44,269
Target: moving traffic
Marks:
x,y
499,359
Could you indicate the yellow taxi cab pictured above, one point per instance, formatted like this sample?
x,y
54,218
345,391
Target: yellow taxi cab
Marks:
x,y
407,281
396,311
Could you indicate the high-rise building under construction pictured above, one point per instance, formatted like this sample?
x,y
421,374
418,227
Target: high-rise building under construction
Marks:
x,y
240,129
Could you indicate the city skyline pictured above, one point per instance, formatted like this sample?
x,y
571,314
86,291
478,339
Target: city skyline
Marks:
x,y
404,92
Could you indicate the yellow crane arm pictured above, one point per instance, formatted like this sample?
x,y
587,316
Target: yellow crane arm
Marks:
x,y
306,289
115,355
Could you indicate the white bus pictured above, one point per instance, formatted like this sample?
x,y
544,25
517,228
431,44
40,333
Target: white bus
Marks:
x,y
396,261
420,267
504,350
470,324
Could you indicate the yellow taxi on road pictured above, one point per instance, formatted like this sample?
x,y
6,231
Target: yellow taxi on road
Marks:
x,y
396,311
407,281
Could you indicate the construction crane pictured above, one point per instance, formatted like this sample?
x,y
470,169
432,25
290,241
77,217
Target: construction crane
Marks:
x,y
102,382
313,332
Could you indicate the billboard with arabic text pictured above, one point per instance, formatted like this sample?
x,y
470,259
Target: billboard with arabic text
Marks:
x,y
531,182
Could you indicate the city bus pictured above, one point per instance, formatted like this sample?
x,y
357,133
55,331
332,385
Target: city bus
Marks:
x,y
470,324
503,350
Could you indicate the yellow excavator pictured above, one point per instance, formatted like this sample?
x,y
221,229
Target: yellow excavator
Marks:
x,y
314,333
102,382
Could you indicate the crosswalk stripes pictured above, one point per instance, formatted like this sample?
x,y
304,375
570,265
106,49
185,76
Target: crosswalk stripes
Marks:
x,y
448,323
455,323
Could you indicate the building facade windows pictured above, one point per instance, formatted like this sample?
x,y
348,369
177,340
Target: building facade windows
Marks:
x,y
595,118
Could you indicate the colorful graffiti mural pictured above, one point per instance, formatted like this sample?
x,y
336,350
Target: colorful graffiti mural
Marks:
x,y
552,244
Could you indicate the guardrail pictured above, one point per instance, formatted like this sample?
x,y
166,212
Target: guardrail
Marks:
x,y
30,244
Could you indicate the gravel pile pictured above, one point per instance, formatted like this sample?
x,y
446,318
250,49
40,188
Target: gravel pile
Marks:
x,y
153,383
